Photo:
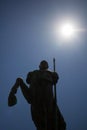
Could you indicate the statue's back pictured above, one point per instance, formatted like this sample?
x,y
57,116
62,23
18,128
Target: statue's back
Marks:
x,y
41,86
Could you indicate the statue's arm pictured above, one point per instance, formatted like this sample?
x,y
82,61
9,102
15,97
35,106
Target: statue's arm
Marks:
x,y
55,77
24,89
29,76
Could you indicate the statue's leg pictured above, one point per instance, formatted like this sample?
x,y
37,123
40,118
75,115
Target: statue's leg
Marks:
x,y
37,114
62,123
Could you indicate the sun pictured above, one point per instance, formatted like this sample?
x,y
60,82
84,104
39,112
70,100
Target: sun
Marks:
x,y
67,30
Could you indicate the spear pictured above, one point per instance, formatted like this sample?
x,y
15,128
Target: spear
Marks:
x,y
54,66
55,96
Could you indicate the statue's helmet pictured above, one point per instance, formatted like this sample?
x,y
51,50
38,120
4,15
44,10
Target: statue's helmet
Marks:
x,y
43,65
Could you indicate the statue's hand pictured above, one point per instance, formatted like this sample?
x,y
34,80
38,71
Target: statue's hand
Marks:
x,y
19,81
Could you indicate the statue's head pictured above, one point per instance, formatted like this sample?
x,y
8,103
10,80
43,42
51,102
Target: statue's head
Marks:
x,y
43,65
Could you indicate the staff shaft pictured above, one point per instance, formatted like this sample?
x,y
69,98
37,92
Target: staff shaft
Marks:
x,y
55,97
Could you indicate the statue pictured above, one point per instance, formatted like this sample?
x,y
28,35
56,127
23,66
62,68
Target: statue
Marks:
x,y
39,95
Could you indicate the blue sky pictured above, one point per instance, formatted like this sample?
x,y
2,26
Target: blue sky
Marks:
x,y
26,38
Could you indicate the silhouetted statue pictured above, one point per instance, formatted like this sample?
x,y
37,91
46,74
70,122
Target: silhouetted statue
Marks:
x,y
40,95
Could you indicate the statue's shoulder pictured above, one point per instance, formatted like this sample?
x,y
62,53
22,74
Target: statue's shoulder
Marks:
x,y
31,76
53,75
49,72
33,72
